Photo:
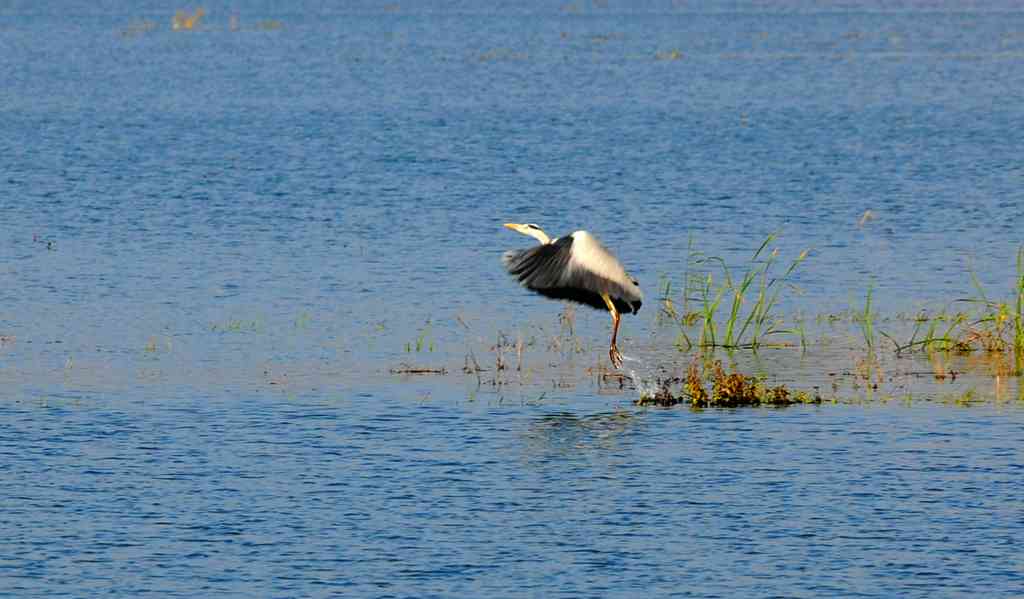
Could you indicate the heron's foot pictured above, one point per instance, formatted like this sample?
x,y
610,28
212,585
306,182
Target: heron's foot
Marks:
x,y
615,356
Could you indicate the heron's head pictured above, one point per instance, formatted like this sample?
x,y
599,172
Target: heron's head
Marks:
x,y
530,229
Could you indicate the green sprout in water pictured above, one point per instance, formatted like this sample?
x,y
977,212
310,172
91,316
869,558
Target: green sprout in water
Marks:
x,y
423,340
866,321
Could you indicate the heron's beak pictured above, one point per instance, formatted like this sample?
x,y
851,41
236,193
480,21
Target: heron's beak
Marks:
x,y
512,226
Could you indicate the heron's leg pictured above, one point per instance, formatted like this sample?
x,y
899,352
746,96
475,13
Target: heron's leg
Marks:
x,y
613,351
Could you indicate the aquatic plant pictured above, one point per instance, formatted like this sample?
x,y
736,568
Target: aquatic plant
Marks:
x,y
999,326
933,339
866,321
154,344
727,390
423,341
995,326
798,326
183,21
751,317
566,338
505,344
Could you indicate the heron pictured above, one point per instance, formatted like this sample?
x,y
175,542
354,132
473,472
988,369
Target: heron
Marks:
x,y
577,268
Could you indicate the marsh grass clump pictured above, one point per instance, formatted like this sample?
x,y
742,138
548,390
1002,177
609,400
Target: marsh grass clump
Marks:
x,y
748,294
939,333
994,327
727,390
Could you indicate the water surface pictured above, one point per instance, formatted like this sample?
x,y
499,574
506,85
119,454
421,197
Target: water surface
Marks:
x,y
215,244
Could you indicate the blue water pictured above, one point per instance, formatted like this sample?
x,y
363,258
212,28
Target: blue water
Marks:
x,y
215,244
388,496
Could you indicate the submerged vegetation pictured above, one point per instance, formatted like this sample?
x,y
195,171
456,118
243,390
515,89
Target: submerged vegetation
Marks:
x,y
707,385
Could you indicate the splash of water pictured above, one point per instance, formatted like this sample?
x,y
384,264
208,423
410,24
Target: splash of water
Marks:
x,y
644,387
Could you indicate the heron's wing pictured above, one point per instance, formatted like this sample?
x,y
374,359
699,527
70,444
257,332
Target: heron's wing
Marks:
x,y
595,268
552,270
541,267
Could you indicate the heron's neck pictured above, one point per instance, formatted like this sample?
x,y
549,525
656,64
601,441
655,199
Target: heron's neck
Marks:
x,y
539,235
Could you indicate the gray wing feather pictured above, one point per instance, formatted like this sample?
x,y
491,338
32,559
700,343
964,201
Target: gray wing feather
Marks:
x,y
542,267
